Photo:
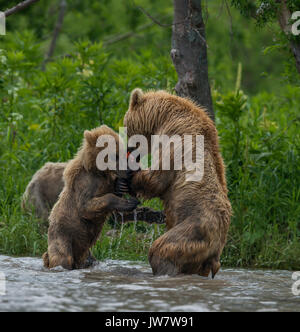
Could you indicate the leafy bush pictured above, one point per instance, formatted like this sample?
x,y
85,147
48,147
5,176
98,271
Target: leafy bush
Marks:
x,y
260,143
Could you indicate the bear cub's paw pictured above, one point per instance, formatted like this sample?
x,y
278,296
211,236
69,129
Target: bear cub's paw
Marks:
x,y
124,205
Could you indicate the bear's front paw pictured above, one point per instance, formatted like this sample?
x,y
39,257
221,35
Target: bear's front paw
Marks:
x,y
129,205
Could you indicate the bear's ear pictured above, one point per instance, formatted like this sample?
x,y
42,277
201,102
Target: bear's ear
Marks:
x,y
104,127
136,98
89,138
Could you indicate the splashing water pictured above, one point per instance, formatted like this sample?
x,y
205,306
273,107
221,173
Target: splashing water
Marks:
x,y
113,234
135,219
152,234
121,231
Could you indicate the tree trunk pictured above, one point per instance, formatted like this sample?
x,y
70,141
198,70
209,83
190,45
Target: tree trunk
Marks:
x,y
189,53
296,51
56,32
284,16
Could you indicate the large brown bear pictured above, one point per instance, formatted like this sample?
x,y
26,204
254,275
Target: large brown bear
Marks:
x,y
197,213
86,201
43,190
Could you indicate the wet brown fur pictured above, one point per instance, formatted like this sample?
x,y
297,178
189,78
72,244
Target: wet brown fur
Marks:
x,y
43,190
85,203
197,213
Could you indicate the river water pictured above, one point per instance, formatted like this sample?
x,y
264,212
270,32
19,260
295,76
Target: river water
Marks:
x,y
130,286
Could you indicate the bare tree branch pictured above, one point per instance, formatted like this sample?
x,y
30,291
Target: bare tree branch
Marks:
x,y
113,39
56,32
154,19
230,26
19,7
126,35
221,9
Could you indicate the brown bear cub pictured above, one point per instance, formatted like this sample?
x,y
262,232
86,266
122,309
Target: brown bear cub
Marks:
x,y
197,212
43,190
85,203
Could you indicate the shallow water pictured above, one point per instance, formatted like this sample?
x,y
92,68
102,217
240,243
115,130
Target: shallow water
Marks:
x,y
130,286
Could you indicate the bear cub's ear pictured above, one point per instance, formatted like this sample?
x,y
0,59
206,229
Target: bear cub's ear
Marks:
x,y
136,97
89,138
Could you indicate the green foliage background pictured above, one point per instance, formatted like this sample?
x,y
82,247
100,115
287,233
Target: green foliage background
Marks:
x,y
256,96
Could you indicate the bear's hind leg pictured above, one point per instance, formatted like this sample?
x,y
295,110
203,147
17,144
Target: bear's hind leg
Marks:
x,y
183,249
212,265
90,261
46,260
161,266
60,254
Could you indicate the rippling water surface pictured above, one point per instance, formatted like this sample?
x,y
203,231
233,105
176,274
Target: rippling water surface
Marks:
x,y
130,286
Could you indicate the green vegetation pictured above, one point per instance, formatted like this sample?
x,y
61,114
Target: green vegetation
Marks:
x,y
44,113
